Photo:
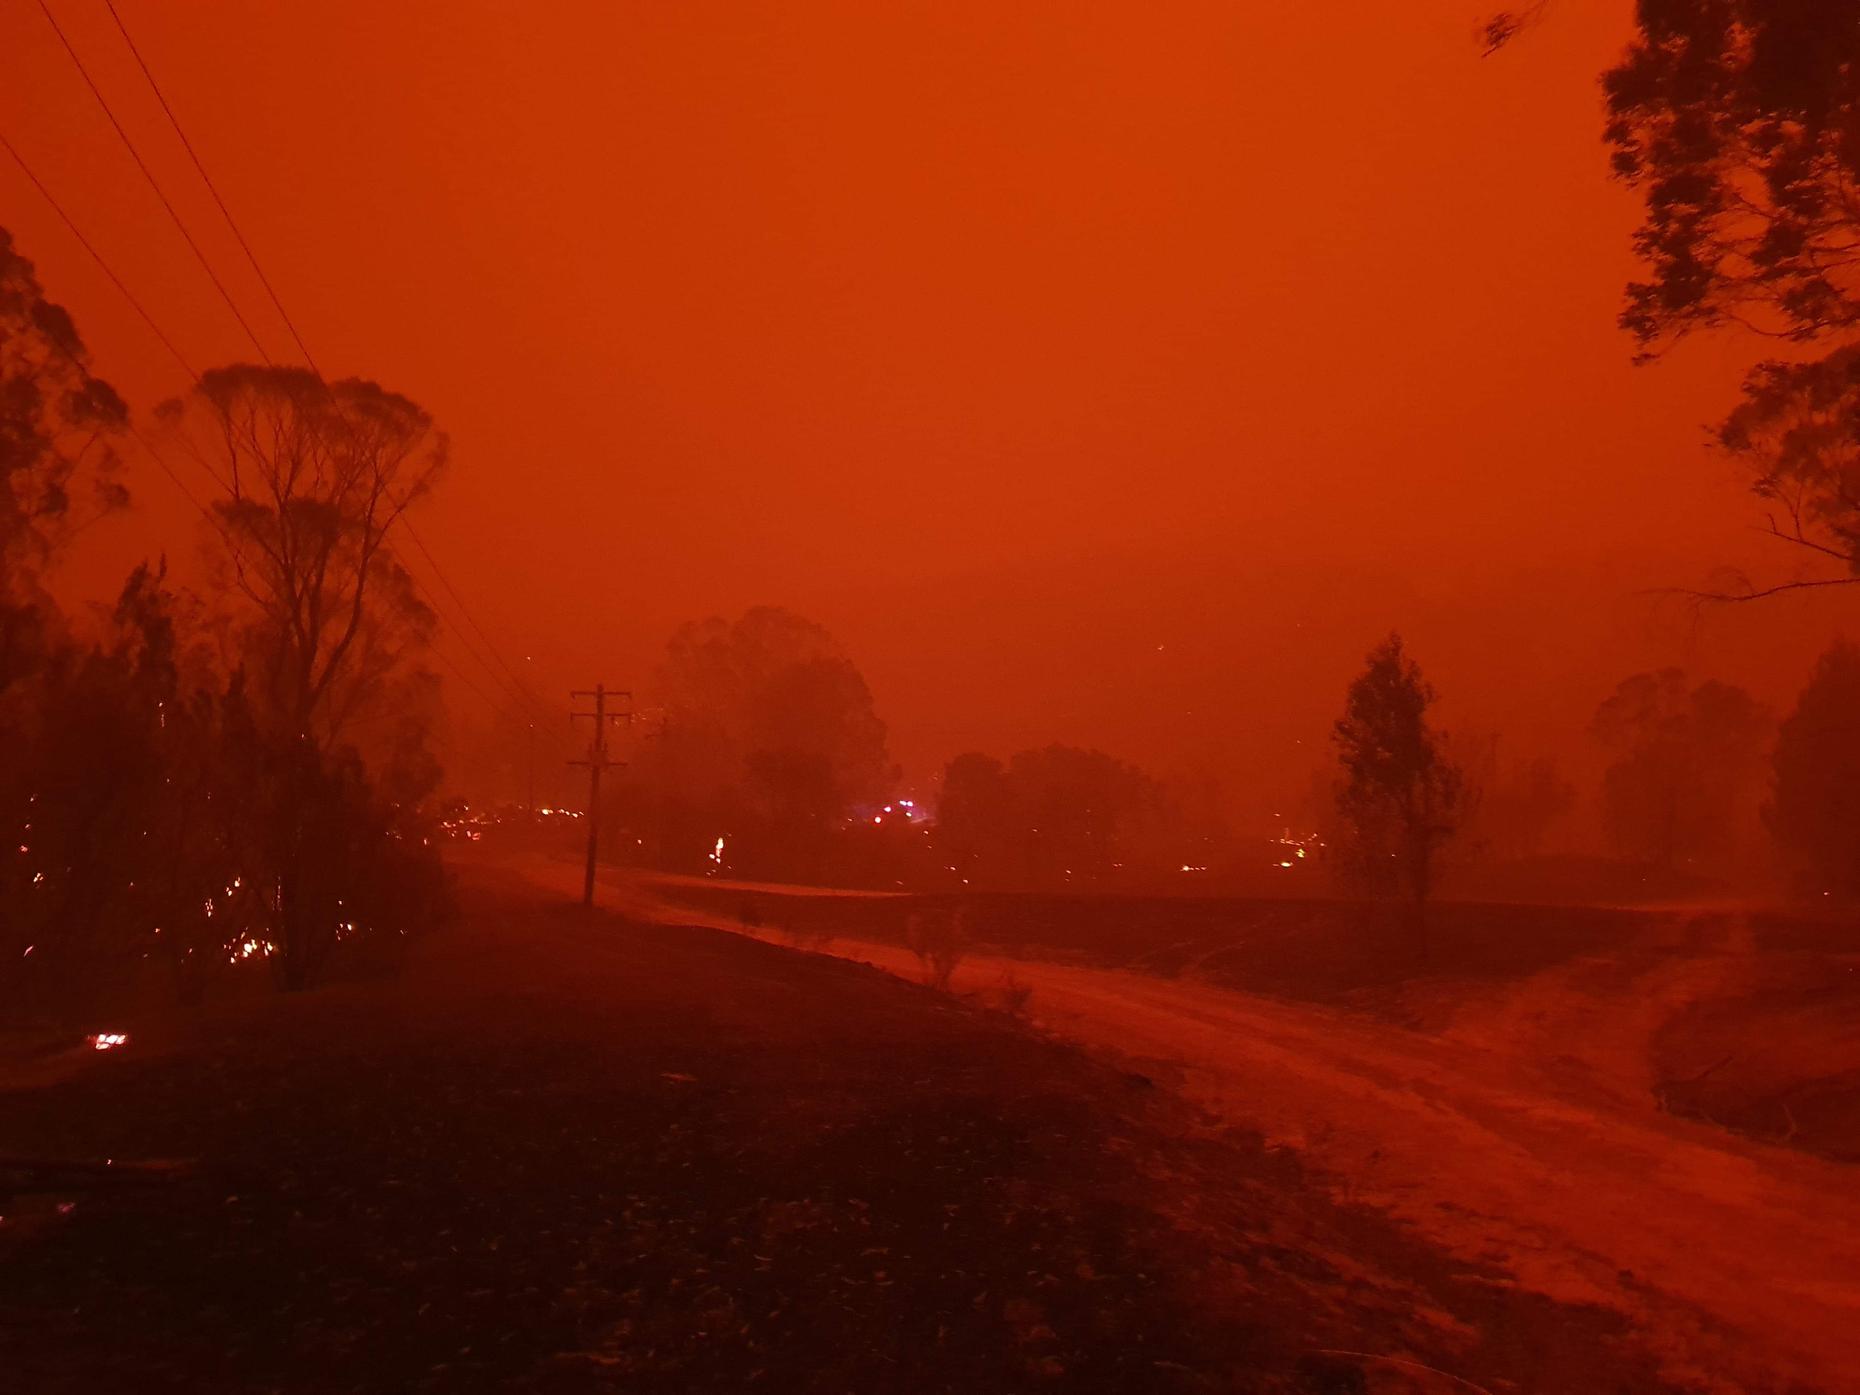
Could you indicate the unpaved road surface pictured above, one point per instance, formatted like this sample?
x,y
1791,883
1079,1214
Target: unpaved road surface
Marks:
x,y
1523,1135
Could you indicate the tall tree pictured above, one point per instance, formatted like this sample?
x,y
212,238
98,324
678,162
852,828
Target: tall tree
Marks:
x,y
974,817
1685,759
1077,809
58,424
330,630
1399,797
770,741
1739,123
1814,809
1056,816
316,475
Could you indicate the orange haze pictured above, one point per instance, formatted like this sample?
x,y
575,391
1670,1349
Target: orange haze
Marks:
x,y
1113,374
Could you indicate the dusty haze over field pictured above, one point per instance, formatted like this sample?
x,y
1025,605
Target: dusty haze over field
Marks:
x,y
1109,377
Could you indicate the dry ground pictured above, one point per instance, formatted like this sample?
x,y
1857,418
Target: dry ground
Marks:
x,y
1652,1112
567,1153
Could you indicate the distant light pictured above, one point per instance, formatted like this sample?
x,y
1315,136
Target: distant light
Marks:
x,y
107,1041
878,818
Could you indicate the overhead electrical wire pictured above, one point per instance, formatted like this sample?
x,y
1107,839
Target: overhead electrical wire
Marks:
x,y
496,706
153,183
515,684
212,188
148,319
97,257
509,681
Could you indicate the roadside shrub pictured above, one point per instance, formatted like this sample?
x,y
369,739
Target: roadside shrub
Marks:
x,y
938,937
1014,995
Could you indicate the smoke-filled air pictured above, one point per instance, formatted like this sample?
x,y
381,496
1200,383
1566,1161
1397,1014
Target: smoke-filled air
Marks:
x,y
930,699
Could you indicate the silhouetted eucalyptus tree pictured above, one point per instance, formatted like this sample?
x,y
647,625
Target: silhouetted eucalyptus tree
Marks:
x,y
315,476
1739,122
769,741
1681,785
1399,798
1055,816
1814,809
58,422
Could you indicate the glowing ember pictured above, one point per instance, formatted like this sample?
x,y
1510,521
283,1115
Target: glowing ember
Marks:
x,y
107,1041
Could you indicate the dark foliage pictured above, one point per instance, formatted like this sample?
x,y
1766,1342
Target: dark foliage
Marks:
x,y
766,738
1399,798
158,828
1814,810
1739,123
1684,763
161,816
58,422
1052,817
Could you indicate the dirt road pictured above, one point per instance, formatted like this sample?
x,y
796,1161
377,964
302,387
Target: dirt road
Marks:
x,y
1525,1135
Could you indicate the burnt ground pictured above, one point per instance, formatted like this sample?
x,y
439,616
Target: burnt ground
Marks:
x,y
567,1153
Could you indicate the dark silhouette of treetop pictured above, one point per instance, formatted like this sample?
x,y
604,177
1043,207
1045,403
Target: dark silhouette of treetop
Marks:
x,y
1399,797
1739,121
57,423
316,474
1814,809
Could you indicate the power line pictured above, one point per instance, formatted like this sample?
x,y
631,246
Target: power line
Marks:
x,y
148,319
154,183
497,708
161,461
450,624
155,455
515,684
511,681
154,326
213,189
97,257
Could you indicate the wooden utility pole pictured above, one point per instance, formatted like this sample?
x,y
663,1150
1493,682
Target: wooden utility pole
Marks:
x,y
596,762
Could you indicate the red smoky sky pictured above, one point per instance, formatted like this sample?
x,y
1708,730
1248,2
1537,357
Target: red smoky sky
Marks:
x,y
1110,374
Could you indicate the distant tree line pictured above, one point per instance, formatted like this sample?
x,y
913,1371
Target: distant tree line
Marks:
x,y
760,755
1700,786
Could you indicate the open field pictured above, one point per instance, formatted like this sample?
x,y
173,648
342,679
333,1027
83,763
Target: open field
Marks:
x,y
1650,1111
563,1153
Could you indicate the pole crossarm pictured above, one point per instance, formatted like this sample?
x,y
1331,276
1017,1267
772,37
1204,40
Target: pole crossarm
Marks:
x,y
597,762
